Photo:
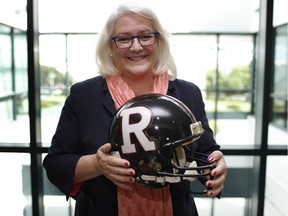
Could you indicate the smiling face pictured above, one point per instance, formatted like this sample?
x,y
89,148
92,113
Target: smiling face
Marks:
x,y
137,61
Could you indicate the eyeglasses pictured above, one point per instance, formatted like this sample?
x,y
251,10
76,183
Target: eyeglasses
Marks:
x,y
146,39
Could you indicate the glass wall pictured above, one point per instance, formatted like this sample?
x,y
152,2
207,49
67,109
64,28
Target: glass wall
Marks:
x,y
221,65
14,86
13,13
279,96
236,198
15,184
59,70
276,197
208,51
276,194
5,73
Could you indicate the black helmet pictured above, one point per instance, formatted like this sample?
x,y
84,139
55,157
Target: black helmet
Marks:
x,y
153,133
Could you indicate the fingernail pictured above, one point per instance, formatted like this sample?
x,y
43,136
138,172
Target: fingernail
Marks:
x,y
131,180
210,193
126,164
211,158
209,184
214,173
132,172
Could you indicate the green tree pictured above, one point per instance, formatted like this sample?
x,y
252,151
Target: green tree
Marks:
x,y
46,73
59,78
238,78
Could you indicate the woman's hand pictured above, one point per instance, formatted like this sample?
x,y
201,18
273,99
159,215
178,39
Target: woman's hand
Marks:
x,y
114,168
219,173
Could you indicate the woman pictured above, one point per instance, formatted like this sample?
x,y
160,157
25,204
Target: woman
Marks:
x,y
134,59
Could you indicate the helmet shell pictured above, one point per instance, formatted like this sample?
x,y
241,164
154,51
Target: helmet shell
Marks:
x,y
146,131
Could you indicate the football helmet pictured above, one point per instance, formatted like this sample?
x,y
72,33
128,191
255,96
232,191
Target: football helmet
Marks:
x,y
154,133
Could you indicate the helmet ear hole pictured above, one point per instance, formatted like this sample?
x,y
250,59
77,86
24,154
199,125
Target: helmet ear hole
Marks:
x,y
143,166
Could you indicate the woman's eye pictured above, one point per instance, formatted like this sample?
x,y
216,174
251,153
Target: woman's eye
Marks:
x,y
124,39
146,37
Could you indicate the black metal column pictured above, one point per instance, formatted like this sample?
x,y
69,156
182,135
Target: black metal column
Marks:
x,y
263,88
34,107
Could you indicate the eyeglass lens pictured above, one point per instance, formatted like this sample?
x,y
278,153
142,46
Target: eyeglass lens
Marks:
x,y
127,41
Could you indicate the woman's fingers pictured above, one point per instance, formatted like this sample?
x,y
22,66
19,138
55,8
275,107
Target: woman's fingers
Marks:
x,y
219,173
116,169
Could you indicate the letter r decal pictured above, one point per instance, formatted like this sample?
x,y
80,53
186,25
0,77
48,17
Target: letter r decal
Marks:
x,y
136,128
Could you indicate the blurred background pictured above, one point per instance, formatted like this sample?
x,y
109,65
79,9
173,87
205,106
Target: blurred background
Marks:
x,y
235,51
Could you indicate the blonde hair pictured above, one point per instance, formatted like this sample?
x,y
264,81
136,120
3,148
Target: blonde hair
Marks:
x,y
104,46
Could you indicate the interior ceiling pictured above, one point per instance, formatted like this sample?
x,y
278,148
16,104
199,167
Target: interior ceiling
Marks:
x,y
176,16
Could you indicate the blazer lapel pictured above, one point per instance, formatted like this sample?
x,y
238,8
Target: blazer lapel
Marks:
x,y
107,100
171,89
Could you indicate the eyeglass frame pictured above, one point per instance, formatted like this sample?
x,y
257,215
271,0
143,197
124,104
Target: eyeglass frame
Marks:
x,y
156,35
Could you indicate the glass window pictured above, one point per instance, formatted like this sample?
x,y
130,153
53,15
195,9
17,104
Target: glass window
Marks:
x,y
80,67
237,192
194,57
52,52
13,13
54,200
235,73
5,61
278,127
57,205
226,88
20,61
278,133
219,64
53,67
14,87
233,98
62,64
280,15
15,184
276,192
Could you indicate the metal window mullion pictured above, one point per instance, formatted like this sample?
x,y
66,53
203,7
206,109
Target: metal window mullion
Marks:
x,y
34,108
263,106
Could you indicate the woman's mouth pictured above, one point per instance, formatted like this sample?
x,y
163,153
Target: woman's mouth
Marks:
x,y
136,58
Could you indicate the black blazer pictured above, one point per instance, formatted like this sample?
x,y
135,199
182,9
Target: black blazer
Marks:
x,y
83,127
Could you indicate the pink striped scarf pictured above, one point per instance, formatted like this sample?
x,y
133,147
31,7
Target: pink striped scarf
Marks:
x,y
141,200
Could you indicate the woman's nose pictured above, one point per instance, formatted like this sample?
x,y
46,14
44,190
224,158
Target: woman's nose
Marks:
x,y
136,45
